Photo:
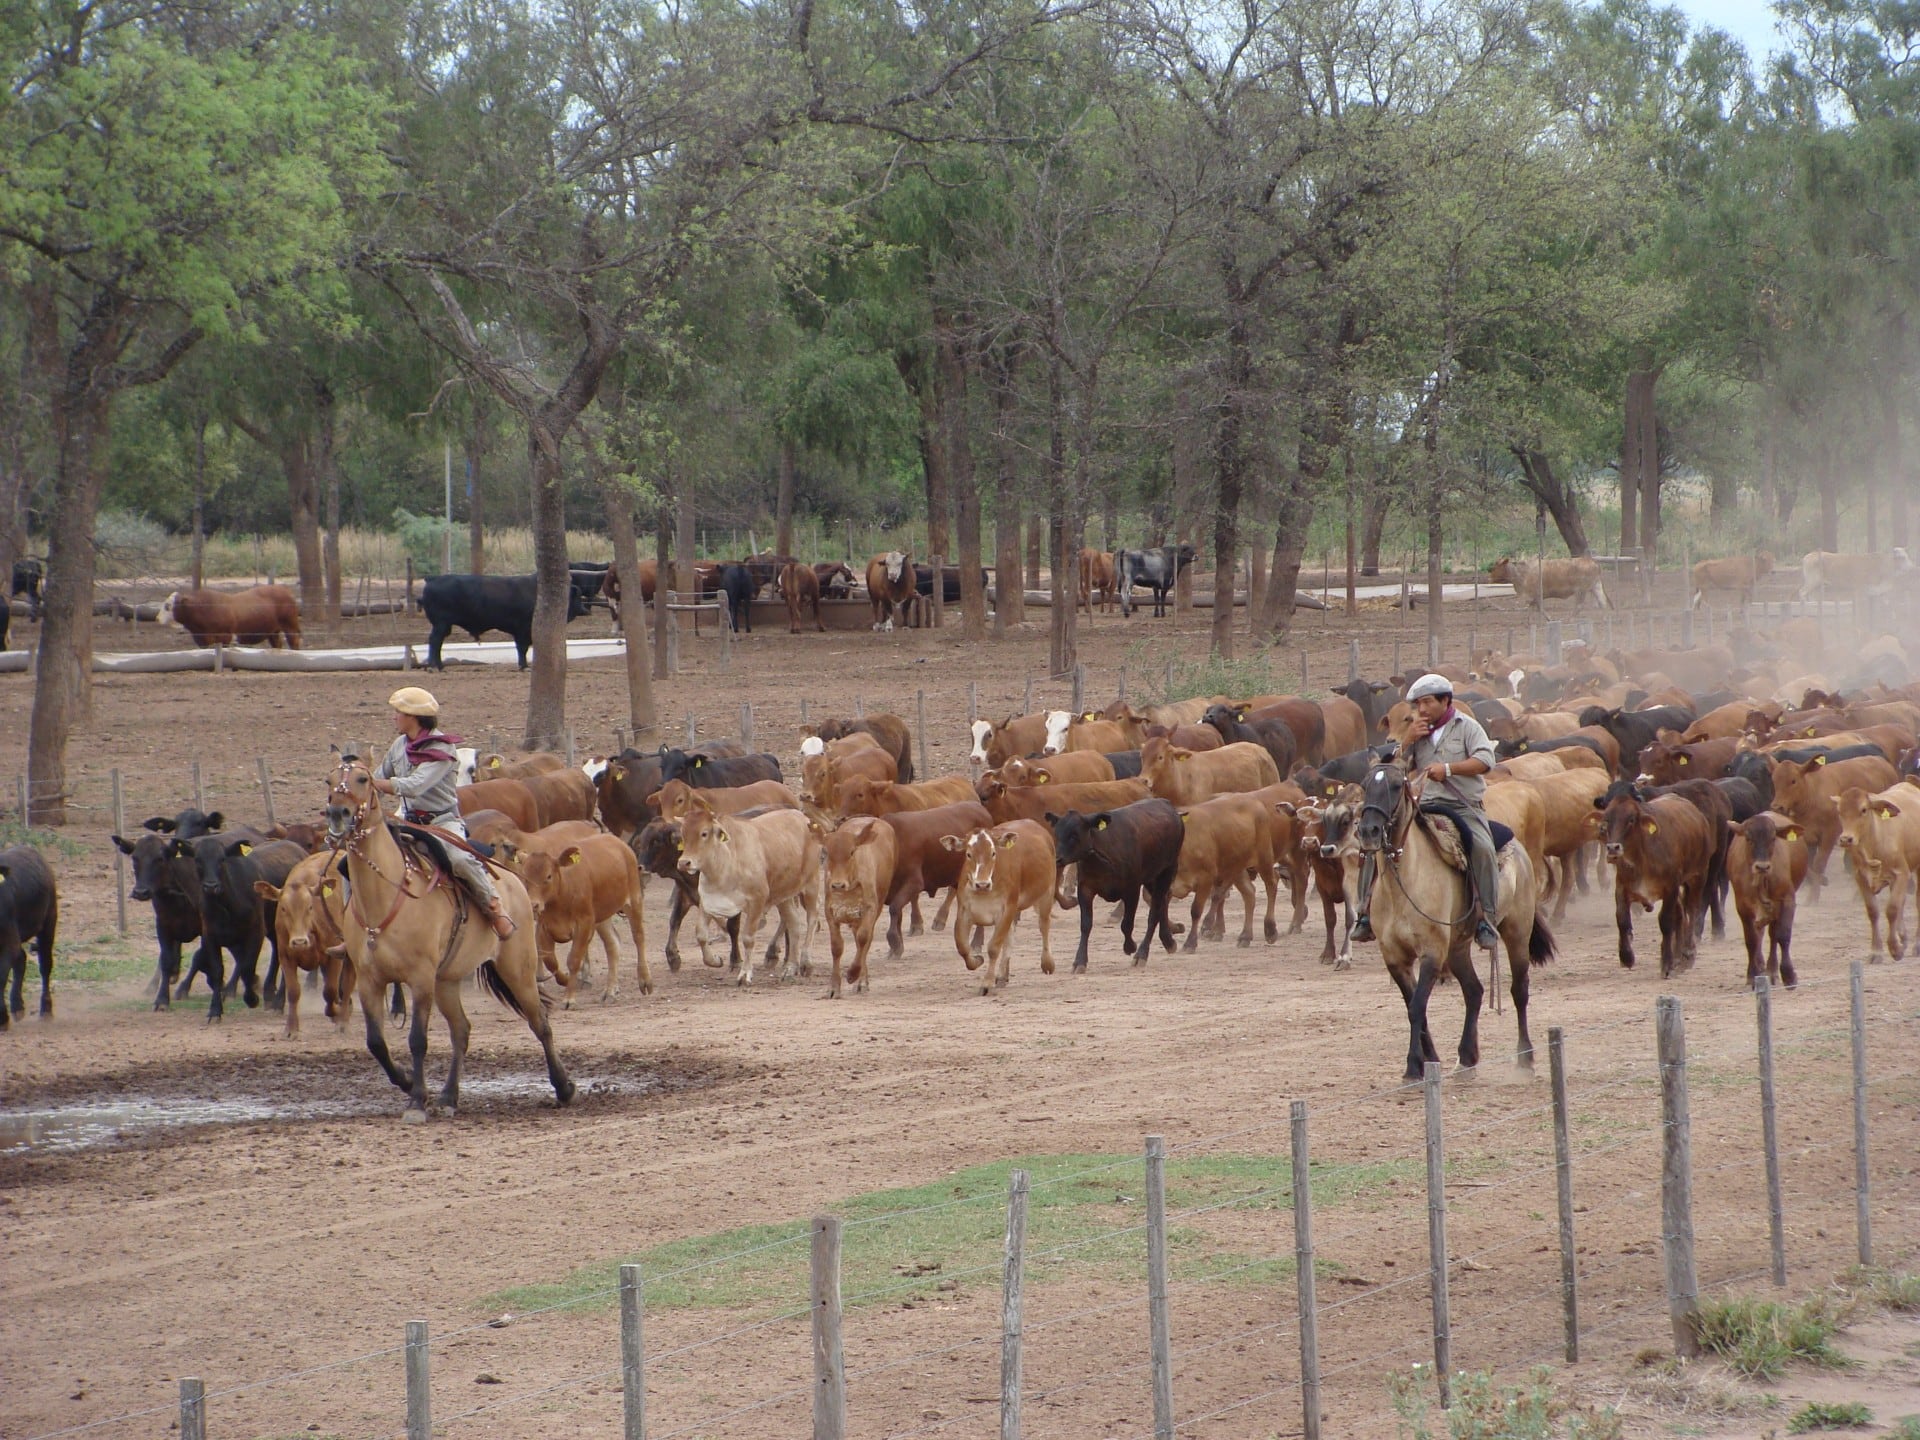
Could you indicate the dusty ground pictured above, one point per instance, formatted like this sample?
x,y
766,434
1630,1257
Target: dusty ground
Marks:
x,y
302,1225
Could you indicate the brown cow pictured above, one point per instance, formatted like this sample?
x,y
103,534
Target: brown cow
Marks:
x,y
890,585
1346,725
1534,727
1187,737
511,798
1805,791
517,767
1079,767
1566,800
1180,712
1306,719
888,731
1096,574
1003,871
311,902
1696,671
1326,843
799,587
1006,803
575,895
563,794
1718,724
921,865
1736,572
747,865
1766,861
1288,860
1823,570
863,796
821,776
675,798
1665,763
834,579
1661,850
1067,732
1228,839
1187,777
859,860
1017,735
1577,580
264,614
1881,835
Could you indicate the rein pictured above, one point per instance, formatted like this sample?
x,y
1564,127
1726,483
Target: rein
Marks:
x,y
1390,854
352,842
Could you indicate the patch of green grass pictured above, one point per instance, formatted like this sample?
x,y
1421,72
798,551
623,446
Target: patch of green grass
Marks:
x,y
1083,1212
42,838
1210,674
1823,1415
1480,1409
1889,1289
107,959
1907,1427
1759,1338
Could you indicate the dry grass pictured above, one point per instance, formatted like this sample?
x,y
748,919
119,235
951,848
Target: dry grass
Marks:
x,y
376,553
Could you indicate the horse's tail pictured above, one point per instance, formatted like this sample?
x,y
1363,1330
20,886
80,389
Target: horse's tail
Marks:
x,y
497,986
1541,946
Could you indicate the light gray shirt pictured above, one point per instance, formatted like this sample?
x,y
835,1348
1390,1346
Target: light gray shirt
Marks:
x,y
424,789
1461,738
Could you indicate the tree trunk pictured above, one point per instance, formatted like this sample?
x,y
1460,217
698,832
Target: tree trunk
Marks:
x,y
1064,562
1289,549
547,688
1373,523
327,476
662,569
199,564
783,502
1230,477
1640,462
1829,506
476,519
683,538
1892,462
966,495
62,672
1436,499
1036,522
1010,602
296,459
1537,477
626,560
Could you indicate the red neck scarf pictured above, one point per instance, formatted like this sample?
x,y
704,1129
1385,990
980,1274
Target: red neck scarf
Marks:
x,y
430,747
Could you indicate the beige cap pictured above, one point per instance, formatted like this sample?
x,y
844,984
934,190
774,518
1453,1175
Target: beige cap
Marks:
x,y
412,700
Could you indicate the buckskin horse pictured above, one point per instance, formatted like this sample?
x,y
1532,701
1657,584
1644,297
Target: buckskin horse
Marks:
x,y
408,923
1420,912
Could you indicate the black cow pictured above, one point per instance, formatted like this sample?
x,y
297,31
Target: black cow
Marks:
x,y
1367,695
589,577
1520,745
478,604
1118,853
173,888
708,772
1753,767
1745,796
949,582
1158,569
1800,754
1126,764
1634,730
234,919
29,911
1273,734
28,575
736,583
1348,769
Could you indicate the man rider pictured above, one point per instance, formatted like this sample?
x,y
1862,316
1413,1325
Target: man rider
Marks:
x,y
419,767
1451,750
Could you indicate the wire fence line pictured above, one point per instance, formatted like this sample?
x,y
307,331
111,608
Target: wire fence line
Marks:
x,y
1501,1247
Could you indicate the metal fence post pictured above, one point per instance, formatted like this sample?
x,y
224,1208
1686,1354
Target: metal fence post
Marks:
x,y
1303,1277
1563,1177
1012,1300
1769,1127
829,1360
1676,1176
419,1384
1862,1181
633,1383
1160,1330
1437,1236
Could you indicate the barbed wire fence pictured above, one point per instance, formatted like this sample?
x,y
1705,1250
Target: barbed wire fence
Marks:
x,y
1460,1224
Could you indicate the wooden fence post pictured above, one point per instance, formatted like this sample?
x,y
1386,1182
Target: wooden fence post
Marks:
x,y
1862,1182
419,1383
1554,642
193,1409
1769,1127
1676,1176
746,724
119,860
633,1380
1160,1331
1079,689
726,630
939,596
1303,1277
20,789
1166,695
1027,704
1396,657
1353,661
1012,1326
266,789
829,1360
1303,667
859,707
199,789
1437,1236
571,759
920,700
1563,1178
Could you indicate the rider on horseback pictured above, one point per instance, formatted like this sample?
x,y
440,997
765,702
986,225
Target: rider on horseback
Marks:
x,y
419,768
1451,749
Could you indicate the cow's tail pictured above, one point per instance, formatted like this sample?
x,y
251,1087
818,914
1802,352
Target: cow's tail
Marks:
x,y
1541,946
497,987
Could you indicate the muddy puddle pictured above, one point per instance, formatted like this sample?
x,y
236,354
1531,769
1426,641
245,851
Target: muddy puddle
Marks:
x,y
90,1124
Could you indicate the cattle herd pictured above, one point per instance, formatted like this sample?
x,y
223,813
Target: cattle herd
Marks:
x,y
1734,769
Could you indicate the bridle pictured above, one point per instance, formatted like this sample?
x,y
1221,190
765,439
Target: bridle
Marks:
x,y
353,841
1395,829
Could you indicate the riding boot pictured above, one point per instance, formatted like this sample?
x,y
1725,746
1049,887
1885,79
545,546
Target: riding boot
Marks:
x,y
1362,932
1486,888
497,916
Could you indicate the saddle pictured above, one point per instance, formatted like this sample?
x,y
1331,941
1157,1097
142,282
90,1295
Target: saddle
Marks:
x,y
431,846
1451,841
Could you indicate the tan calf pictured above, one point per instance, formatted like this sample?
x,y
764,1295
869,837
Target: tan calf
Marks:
x,y
575,895
676,798
863,796
1805,790
1881,834
1766,861
1187,777
564,794
859,860
1003,871
1078,768
748,865
1228,839
306,926
1566,800
1007,803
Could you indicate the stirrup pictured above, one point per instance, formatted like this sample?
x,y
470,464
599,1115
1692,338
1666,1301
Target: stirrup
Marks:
x,y
1485,936
1362,931
494,917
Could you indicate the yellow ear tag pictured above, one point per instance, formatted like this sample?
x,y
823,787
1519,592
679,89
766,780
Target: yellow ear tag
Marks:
x,y
1652,829
245,849
1183,817
1041,777
574,859
327,889
619,773
494,763
1681,761
1006,841
1792,832
1091,715
1101,826
1184,755
1820,759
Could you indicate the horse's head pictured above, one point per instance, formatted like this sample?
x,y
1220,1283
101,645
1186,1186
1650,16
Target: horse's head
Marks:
x,y
1383,794
349,799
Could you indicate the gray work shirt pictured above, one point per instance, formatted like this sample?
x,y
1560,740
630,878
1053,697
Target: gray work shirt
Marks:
x,y
1461,738
426,790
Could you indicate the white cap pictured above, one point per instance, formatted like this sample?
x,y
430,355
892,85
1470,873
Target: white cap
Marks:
x,y
1429,685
